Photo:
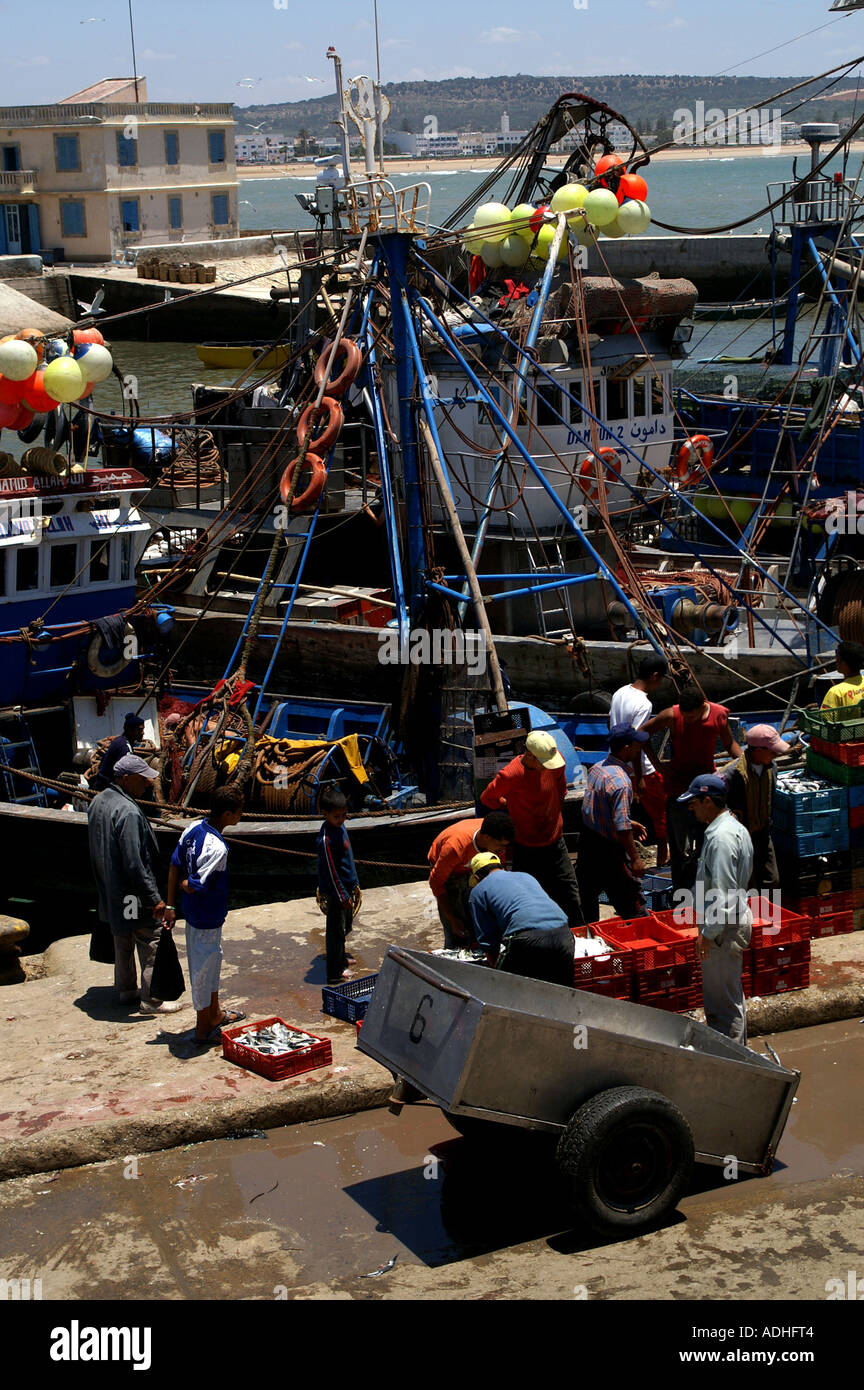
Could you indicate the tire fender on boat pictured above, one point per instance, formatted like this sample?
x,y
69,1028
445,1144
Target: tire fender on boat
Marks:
x,y
695,458
304,501
353,362
101,669
324,441
612,464
56,429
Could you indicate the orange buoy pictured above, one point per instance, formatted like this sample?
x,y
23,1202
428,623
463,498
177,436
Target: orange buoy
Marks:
x,y
612,464
304,501
695,458
353,362
335,420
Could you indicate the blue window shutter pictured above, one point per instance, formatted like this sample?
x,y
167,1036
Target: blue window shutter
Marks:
x,y
216,141
175,213
35,235
127,151
72,219
172,147
67,153
220,209
4,245
129,215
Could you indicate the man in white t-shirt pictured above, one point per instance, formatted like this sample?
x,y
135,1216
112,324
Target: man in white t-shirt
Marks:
x,y
632,704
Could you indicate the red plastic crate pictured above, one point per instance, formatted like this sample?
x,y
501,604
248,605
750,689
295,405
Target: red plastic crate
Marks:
x,y
856,817
664,978
674,1001
780,957
612,964
274,1068
825,905
850,754
650,940
766,982
615,987
837,925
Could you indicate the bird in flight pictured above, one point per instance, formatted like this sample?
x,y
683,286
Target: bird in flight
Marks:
x,y
257,127
314,79
248,81
94,19
93,308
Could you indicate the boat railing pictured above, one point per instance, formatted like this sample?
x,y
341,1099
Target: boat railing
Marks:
x,y
817,200
377,205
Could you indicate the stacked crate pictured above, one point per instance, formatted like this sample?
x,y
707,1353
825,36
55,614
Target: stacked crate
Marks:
x,y
811,839
836,755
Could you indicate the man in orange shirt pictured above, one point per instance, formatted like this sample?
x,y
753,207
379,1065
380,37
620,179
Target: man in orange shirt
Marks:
x,y
531,789
450,858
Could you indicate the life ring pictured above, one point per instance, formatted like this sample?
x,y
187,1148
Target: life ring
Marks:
x,y
56,429
304,501
353,362
612,463
686,470
33,430
101,669
328,436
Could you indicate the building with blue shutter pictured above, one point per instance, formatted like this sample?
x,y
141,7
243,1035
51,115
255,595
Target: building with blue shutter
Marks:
x,y
105,170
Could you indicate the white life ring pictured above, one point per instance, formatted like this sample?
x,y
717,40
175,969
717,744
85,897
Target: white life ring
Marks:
x,y
99,668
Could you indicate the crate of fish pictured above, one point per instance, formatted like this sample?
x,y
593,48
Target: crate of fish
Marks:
x,y
834,772
834,725
275,1049
797,797
806,846
350,1000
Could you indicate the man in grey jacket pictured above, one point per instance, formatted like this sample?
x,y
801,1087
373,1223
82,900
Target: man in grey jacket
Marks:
x,y
722,910
124,856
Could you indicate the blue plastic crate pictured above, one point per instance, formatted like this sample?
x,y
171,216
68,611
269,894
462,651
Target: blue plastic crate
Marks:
x,y
856,795
801,846
657,890
794,821
349,1001
792,803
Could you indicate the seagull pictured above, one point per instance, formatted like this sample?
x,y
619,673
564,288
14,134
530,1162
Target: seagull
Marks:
x,y
94,19
93,309
314,79
248,81
248,204
168,297
257,127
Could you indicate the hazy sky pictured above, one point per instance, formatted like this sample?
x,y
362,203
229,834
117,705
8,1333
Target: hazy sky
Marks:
x,y
205,49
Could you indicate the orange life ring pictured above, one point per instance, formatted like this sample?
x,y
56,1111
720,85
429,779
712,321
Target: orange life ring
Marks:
x,y
612,462
685,470
328,436
304,501
353,362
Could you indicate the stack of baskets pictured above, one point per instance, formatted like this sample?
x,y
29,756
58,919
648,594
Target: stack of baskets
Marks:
x,y
836,757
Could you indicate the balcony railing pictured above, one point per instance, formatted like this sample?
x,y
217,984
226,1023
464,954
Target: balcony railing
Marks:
x,y
92,113
18,179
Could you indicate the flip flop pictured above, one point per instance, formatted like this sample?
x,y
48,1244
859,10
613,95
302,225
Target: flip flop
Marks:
x,y
231,1016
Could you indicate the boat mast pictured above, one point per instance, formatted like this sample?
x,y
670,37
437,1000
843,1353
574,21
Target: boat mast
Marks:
x,y
342,122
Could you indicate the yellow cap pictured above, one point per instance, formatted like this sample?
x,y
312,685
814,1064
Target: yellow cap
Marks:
x,y
544,749
480,862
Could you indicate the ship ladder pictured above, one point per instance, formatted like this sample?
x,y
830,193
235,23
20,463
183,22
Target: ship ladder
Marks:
x,y
554,611
20,752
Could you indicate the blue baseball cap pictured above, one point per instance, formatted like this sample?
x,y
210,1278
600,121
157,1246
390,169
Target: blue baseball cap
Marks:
x,y
625,733
708,784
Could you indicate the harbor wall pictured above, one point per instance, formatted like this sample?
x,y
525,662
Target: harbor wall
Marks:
x,y
721,267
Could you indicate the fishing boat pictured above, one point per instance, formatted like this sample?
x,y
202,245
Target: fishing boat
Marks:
x,y
237,356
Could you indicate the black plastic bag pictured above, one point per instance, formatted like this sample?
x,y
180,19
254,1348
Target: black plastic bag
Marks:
x,y
102,944
167,981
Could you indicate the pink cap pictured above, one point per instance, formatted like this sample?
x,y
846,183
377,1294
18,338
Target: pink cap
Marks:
x,y
763,736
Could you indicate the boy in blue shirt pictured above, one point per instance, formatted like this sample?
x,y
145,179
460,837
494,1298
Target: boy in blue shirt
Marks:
x,y
199,870
338,893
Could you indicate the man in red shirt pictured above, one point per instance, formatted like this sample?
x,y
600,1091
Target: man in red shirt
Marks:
x,y
450,859
531,789
695,724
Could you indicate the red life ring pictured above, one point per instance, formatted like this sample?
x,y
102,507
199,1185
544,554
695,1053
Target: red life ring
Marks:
x,y
612,462
328,436
304,501
685,470
353,362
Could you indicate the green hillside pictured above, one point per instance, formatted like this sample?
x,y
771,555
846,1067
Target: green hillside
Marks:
x,y
477,103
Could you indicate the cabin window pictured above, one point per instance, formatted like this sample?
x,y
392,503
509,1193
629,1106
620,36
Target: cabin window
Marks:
x,y
548,404
126,557
63,566
575,389
658,396
616,400
639,396
100,562
27,569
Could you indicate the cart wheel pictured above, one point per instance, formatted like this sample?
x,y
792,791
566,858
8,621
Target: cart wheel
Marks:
x,y
627,1153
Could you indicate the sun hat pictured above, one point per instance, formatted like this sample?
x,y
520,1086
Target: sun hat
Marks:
x,y
544,749
764,736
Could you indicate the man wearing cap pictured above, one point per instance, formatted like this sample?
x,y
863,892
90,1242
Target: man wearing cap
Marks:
x,y
450,860
124,856
519,927
531,789
609,857
133,730
722,911
750,785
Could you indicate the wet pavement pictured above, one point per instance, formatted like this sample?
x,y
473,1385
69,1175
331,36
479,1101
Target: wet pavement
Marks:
x,y
321,1210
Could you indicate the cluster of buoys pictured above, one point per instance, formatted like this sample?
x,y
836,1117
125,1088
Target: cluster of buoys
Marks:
x,y
616,207
331,414
37,373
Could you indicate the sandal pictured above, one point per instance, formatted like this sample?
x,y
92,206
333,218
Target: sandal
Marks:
x,y
231,1016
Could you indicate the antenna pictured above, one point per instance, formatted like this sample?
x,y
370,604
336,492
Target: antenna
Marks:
x,y
134,64
378,91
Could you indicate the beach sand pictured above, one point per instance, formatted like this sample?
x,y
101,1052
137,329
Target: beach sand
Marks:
x,y
483,166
